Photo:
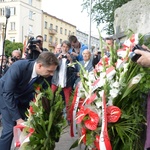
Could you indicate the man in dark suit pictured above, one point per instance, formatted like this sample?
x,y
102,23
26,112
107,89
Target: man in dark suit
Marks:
x,y
17,91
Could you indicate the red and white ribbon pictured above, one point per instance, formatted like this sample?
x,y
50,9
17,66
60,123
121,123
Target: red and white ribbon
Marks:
x,y
104,141
17,130
73,111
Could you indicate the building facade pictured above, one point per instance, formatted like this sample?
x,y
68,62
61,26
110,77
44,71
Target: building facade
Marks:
x,y
25,19
83,37
28,20
55,30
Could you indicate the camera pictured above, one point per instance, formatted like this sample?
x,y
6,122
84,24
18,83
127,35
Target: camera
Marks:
x,y
134,57
32,43
64,56
13,59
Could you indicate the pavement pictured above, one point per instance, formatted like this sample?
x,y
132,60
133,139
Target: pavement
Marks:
x,y
64,143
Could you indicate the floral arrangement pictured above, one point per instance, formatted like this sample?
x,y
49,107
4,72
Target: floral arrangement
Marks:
x,y
45,118
108,106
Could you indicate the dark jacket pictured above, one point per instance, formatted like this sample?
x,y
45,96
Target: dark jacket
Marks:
x,y
14,89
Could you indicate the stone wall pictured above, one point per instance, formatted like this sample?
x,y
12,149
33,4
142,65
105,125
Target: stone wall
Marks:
x,y
134,15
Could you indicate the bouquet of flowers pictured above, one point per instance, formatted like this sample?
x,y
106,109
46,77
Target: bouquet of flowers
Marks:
x,y
108,107
45,121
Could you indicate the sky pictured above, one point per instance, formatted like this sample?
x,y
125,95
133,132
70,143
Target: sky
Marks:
x,y
70,11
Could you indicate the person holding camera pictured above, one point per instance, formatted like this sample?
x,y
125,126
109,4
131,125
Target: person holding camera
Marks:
x,y
144,60
35,47
64,76
76,47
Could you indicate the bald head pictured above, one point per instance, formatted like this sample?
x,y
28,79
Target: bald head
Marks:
x,y
58,48
16,53
86,55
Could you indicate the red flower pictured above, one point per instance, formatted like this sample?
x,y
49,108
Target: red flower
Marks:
x,y
81,114
31,110
113,113
83,132
93,121
38,89
96,142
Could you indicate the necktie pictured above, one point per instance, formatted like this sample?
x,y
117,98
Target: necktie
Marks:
x,y
32,81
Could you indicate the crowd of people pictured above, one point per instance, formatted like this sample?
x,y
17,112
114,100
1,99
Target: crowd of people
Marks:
x,y
58,68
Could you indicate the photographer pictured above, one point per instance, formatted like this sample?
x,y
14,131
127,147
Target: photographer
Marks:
x,y
35,47
64,76
144,60
15,55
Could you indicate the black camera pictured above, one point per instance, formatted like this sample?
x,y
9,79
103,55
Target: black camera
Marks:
x,y
64,56
32,43
134,57
13,59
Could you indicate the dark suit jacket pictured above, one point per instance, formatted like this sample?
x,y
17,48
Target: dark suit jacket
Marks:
x,y
13,87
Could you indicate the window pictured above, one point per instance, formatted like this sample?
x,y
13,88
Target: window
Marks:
x,y
61,30
45,37
30,2
31,14
2,12
69,32
1,26
12,26
56,40
2,0
65,31
60,41
12,39
51,39
45,25
56,28
51,26
12,11
30,29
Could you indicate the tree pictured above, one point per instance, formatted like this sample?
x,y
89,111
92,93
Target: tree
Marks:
x,y
10,46
103,12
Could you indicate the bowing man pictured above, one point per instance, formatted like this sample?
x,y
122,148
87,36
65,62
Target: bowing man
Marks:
x,y
17,91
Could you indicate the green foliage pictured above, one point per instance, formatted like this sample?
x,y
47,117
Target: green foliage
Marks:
x,y
103,12
47,120
10,46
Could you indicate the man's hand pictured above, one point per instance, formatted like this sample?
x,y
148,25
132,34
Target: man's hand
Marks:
x,y
74,54
144,60
38,48
19,121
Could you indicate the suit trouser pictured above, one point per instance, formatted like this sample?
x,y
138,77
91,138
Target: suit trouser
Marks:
x,y
8,124
7,132
67,94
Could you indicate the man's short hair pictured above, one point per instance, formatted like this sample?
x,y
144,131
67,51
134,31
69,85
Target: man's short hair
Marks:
x,y
67,43
40,36
72,38
47,59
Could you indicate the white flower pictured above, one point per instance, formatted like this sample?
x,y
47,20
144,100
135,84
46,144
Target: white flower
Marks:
x,y
114,92
110,101
98,103
115,84
136,79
